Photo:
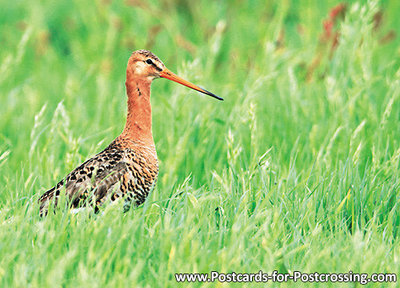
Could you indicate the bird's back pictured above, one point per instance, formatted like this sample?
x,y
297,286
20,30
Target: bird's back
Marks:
x,y
124,169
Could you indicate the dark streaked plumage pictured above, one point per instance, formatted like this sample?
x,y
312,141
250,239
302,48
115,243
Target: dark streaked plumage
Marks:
x,y
123,169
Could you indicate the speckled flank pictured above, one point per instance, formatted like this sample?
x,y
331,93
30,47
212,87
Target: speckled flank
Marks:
x,y
123,169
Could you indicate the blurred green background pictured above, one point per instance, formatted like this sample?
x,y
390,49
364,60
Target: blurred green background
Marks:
x,y
296,170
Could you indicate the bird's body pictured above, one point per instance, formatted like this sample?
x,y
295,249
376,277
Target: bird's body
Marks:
x,y
123,169
128,167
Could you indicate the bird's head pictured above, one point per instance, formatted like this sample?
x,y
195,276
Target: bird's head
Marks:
x,y
144,64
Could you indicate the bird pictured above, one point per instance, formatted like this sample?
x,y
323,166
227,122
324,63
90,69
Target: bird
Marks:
x,y
128,167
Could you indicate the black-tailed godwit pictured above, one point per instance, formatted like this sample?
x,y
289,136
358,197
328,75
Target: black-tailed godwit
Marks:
x,y
128,167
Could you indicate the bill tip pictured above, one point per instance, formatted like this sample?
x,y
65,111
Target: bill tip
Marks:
x,y
213,95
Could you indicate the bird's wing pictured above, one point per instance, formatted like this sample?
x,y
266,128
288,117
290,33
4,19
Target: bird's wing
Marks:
x,y
95,185
91,180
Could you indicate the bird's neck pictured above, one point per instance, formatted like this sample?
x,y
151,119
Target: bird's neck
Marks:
x,y
138,122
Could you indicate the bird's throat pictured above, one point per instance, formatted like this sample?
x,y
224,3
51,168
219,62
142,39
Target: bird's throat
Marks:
x,y
138,122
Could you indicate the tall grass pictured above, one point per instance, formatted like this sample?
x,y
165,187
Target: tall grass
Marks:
x,y
298,169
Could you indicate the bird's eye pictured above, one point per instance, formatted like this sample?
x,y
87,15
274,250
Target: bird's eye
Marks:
x,y
148,61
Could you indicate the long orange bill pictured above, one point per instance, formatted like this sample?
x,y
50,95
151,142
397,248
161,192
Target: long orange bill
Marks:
x,y
171,76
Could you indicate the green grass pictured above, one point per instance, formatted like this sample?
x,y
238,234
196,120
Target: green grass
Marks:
x,y
295,170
